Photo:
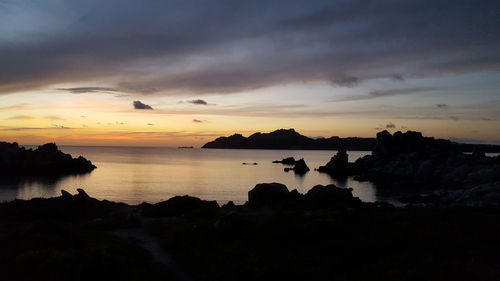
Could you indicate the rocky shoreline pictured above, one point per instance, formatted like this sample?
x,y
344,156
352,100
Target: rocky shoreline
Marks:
x,y
448,228
324,234
45,160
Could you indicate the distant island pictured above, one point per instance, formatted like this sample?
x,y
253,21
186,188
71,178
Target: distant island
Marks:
x,y
46,160
291,139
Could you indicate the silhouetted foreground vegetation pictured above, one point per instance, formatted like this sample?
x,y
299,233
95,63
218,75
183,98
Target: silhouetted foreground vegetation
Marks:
x,y
46,160
325,234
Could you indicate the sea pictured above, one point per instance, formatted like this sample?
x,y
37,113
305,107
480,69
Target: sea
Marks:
x,y
151,174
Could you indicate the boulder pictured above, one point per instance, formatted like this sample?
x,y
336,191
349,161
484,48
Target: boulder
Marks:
x,y
82,193
338,165
179,205
330,196
300,167
65,194
267,194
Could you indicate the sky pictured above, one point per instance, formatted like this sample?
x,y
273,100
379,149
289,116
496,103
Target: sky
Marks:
x,y
182,72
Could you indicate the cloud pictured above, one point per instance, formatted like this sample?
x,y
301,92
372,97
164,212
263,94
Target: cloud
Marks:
x,y
22,117
151,124
82,90
387,93
198,121
240,47
55,127
61,127
139,105
198,101
441,105
53,117
390,126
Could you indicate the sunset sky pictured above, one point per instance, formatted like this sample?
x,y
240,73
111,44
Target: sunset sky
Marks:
x,y
170,73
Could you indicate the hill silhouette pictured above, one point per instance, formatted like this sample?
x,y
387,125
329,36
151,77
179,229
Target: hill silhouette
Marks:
x,y
291,139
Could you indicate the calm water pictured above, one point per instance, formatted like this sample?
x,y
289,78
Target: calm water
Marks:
x,y
135,175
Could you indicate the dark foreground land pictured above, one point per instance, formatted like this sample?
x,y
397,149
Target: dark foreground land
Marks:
x,y
326,234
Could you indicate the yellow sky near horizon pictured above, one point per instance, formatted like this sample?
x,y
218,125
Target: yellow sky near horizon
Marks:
x,y
100,118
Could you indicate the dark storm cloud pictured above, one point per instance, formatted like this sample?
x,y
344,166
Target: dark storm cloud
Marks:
x,y
232,46
139,105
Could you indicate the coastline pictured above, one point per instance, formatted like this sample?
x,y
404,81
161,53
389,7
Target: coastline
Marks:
x,y
323,234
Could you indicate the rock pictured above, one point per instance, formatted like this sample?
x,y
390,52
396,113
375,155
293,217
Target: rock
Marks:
x,y
286,161
46,160
409,159
330,195
338,165
82,193
229,205
480,196
65,194
267,194
300,167
180,205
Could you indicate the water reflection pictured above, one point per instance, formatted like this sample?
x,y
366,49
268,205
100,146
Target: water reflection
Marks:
x,y
29,187
135,175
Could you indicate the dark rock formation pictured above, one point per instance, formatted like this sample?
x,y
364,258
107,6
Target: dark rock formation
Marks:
x,y
300,167
330,195
339,165
325,234
46,160
483,195
267,193
410,158
286,161
289,139
179,205
277,195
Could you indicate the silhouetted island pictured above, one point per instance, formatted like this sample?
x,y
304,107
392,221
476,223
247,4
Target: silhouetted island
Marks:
x,y
46,160
290,139
323,234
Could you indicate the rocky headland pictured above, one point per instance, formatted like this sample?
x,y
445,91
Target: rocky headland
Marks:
x,y
427,170
46,160
410,159
291,139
